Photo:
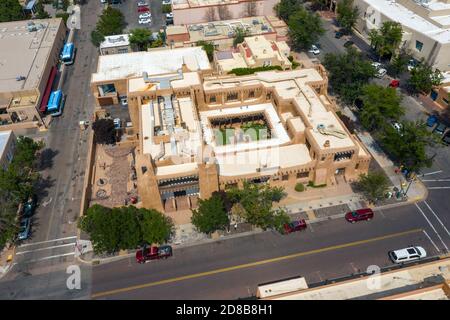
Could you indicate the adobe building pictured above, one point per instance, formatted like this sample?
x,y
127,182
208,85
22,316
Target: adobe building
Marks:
x,y
221,33
254,52
441,94
29,57
187,12
198,133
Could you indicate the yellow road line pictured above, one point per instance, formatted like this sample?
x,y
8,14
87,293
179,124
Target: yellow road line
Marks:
x,y
253,264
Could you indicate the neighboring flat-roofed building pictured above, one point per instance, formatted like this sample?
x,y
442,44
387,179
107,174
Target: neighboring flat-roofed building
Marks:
x,y
254,52
187,12
221,33
28,59
197,133
115,44
7,148
427,281
426,26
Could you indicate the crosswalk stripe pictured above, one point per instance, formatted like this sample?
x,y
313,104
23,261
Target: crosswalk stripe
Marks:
x,y
47,241
47,248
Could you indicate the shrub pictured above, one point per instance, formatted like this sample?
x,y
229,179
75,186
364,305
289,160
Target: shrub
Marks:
x,y
312,185
299,187
247,71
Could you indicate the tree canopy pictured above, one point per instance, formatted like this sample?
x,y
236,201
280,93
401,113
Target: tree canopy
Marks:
x,y
11,10
210,215
347,14
208,47
104,131
373,185
111,22
124,228
305,28
387,39
285,8
348,72
140,38
408,147
380,106
423,78
239,36
399,63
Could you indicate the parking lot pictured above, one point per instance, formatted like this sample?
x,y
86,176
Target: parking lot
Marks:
x,y
129,8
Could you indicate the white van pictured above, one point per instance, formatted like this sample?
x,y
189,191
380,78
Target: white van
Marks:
x,y
407,254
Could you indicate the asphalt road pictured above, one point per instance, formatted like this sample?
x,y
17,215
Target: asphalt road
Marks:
x,y
233,268
41,261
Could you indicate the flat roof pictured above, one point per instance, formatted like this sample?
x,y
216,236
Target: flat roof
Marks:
x,y
408,18
119,40
201,3
157,62
24,53
4,137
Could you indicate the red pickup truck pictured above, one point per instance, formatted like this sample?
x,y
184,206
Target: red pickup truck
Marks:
x,y
153,253
294,226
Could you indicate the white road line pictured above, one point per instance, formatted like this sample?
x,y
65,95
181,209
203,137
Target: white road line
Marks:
x,y
430,173
432,227
435,180
437,218
434,244
47,241
48,248
435,188
51,257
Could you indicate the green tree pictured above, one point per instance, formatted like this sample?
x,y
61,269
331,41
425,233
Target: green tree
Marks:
x,y
380,105
408,147
8,225
140,38
257,201
305,28
159,41
210,215
347,14
348,72
96,38
239,36
40,11
111,22
285,8
373,185
128,227
318,4
399,63
166,8
208,47
156,227
11,10
104,131
423,78
386,40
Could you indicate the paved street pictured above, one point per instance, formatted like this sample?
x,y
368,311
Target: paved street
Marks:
x,y
233,268
40,266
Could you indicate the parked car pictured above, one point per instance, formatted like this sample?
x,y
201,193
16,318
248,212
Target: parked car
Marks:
x,y
153,253
142,4
394,83
314,49
412,64
397,126
117,123
166,1
143,9
144,21
29,207
169,16
146,15
380,71
359,215
407,254
338,34
348,43
446,139
294,226
440,129
24,229
432,120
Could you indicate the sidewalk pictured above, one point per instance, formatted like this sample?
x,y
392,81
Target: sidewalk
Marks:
x,y
6,260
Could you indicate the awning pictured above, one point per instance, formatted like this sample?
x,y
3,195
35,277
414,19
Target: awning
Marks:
x,y
48,89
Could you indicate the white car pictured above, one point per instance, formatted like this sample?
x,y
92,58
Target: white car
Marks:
x,y
314,49
407,254
380,71
146,15
142,4
102,1
145,21
166,1
169,15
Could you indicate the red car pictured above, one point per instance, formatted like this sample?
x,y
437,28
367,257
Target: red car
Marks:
x,y
394,84
359,215
153,253
143,9
294,226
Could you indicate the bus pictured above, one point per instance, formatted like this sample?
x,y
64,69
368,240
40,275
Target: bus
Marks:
x,y
67,55
55,103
